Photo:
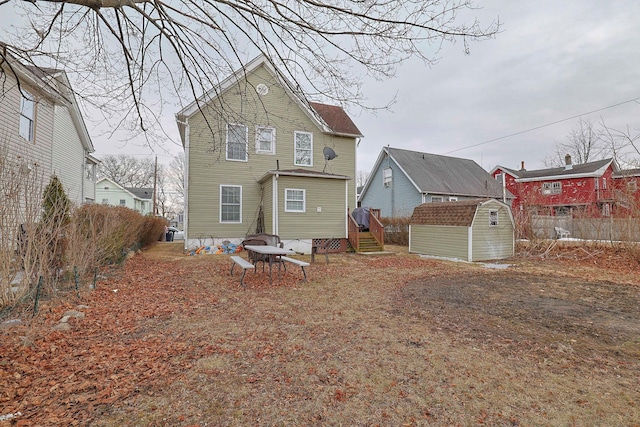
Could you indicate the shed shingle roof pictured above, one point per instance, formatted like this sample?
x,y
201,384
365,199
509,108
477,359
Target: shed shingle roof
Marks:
x,y
446,213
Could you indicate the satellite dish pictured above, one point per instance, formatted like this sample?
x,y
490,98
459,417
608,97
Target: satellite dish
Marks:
x,y
329,154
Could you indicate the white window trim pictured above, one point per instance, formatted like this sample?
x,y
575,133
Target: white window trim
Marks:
x,y
295,149
220,205
497,218
453,199
246,140
304,200
259,130
26,96
387,177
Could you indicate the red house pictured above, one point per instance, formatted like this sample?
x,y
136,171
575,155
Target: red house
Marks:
x,y
586,189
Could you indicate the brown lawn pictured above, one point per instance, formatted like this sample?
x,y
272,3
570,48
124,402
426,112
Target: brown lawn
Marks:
x,y
172,340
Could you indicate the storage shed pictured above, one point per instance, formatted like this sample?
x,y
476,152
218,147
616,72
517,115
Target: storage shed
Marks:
x,y
471,230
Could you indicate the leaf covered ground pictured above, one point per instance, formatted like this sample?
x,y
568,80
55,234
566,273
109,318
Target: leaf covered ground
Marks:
x,y
173,340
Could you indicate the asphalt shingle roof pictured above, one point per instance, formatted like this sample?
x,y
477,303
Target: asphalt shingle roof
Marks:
x,y
446,213
336,118
141,193
438,174
585,168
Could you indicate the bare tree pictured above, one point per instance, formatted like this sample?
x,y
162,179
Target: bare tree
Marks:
x,y
134,58
624,144
128,171
584,143
176,177
361,178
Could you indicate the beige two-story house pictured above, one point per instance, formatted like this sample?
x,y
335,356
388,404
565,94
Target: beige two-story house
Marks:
x,y
260,158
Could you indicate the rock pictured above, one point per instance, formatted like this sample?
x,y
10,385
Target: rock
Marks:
x,y
62,327
74,313
11,322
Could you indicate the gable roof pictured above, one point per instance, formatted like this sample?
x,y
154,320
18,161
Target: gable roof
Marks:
x,y
133,192
141,193
460,214
436,174
330,119
59,81
626,173
336,119
590,169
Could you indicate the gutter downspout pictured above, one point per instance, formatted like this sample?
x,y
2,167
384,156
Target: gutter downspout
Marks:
x,y
185,183
275,220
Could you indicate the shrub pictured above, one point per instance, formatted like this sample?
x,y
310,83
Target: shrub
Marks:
x,y
396,230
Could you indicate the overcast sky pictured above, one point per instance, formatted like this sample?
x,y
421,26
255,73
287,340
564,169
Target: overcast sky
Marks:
x,y
553,60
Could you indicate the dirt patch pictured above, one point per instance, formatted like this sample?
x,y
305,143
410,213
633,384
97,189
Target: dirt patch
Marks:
x,y
593,317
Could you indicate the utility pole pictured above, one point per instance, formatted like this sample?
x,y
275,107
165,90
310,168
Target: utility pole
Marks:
x,y
155,180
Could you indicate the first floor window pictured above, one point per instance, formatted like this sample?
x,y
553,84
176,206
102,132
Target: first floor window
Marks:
x,y
265,140
230,203
493,218
27,115
303,148
123,202
435,199
606,210
105,201
453,199
237,142
294,200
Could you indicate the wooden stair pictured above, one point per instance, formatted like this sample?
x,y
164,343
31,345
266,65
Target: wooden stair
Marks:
x,y
368,243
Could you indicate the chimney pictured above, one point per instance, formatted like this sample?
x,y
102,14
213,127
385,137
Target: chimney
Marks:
x,y
567,163
522,166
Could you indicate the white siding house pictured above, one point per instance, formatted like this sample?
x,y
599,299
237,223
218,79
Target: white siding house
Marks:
x,y
109,192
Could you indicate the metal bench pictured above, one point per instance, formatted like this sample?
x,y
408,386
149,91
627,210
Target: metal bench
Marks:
x,y
302,264
243,264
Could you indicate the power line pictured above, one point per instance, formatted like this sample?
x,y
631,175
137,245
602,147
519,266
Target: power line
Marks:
x,y
543,126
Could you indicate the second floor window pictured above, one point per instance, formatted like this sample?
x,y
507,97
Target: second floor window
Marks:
x,y
237,142
265,140
27,115
552,187
387,177
303,148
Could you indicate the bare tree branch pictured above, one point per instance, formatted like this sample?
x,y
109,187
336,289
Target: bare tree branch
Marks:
x,y
132,58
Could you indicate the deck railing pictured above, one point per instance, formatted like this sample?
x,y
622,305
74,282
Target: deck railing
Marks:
x,y
375,228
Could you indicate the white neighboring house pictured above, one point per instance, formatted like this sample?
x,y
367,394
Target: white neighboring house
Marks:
x,y
109,192
40,121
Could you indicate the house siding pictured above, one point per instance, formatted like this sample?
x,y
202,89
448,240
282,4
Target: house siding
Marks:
x,y
439,240
320,193
401,196
492,242
38,151
208,167
68,155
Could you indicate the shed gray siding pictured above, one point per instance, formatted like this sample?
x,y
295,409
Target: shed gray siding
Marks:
x,y
439,240
402,195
